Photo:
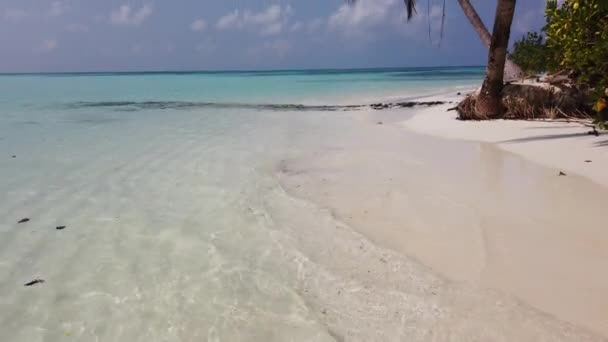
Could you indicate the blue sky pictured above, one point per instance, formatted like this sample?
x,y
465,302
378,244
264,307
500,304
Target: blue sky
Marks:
x,y
116,35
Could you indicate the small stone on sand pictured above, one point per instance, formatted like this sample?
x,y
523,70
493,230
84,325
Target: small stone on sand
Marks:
x,y
561,173
23,220
60,227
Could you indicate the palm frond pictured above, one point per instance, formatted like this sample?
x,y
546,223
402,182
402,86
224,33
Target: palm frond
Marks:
x,y
410,7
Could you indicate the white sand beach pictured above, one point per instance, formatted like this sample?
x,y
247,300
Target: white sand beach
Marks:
x,y
555,259
483,205
556,144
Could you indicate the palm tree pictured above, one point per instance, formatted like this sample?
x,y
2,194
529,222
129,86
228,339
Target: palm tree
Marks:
x,y
489,102
512,71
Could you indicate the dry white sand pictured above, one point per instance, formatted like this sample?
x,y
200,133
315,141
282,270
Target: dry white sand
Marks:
x,y
475,213
559,145
568,282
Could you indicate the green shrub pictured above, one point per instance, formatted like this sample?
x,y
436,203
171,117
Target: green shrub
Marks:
x,y
577,42
577,38
530,53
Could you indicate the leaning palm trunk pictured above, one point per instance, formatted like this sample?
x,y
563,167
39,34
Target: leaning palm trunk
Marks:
x,y
488,103
512,71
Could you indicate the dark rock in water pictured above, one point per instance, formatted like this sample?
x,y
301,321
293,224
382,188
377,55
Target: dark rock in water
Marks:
x,y
406,104
14,156
23,220
60,227
561,173
459,93
379,106
34,282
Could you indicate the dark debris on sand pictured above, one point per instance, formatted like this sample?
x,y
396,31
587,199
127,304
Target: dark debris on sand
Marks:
x,y
34,282
410,104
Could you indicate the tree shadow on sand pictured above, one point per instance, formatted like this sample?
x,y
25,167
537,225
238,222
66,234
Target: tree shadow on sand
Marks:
x,y
554,137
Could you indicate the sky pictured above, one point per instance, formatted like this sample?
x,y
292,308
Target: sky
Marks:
x,y
154,35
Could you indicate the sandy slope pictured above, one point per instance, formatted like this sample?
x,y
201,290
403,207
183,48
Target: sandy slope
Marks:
x,y
559,145
472,212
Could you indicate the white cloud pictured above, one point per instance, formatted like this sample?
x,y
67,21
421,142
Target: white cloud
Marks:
x,y
49,45
58,8
271,21
310,27
127,16
198,25
364,18
230,20
15,14
363,13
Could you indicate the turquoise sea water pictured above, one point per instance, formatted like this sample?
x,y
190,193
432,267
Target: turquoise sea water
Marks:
x,y
32,106
312,86
177,228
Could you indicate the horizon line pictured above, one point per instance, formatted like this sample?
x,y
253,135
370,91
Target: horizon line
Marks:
x,y
201,71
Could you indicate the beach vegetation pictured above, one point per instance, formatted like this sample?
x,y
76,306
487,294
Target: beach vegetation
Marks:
x,y
577,41
574,52
531,54
573,49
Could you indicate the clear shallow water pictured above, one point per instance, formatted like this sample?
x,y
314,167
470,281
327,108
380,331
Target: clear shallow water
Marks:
x,y
178,228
